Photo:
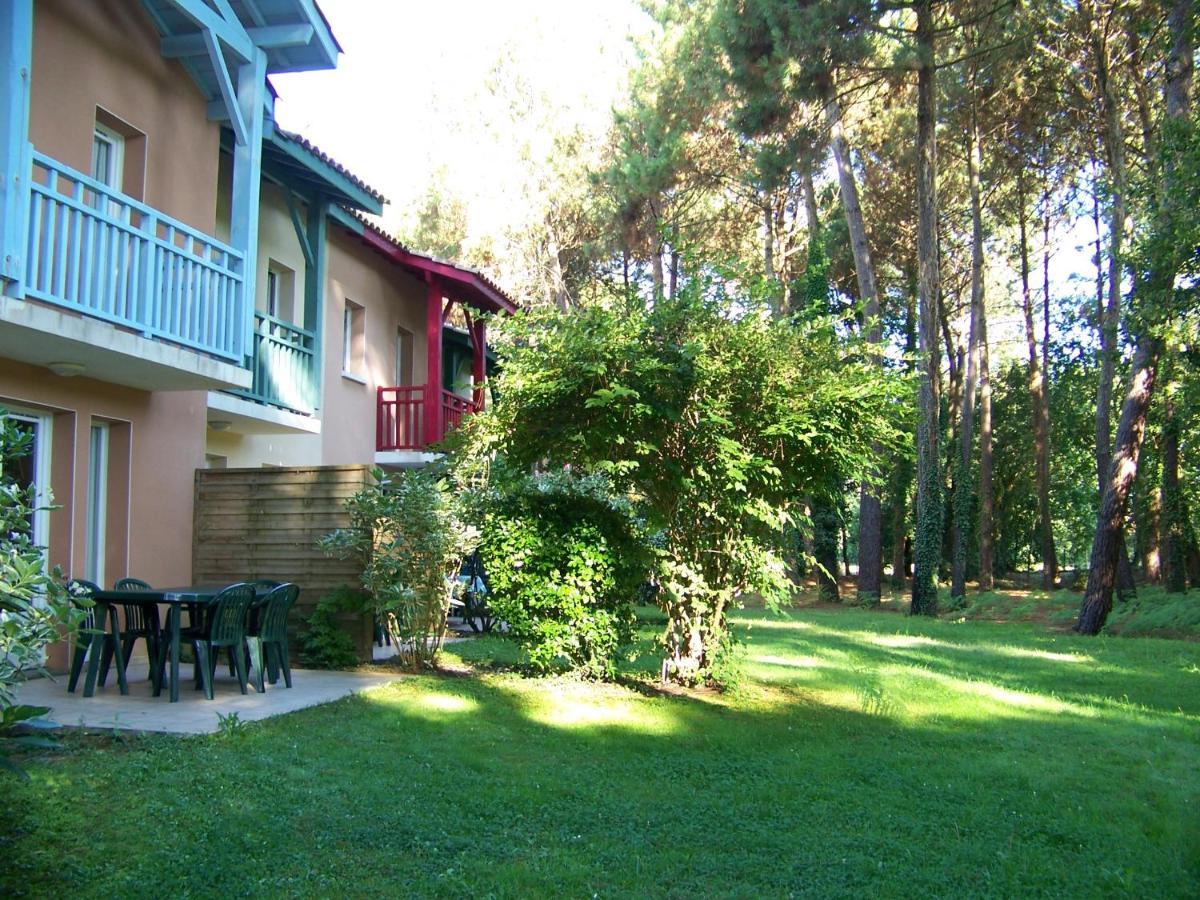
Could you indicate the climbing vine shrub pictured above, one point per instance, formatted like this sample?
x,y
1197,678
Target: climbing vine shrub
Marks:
x,y
565,558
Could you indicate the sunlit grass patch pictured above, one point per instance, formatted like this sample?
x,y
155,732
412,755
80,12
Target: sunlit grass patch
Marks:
x,y
1031,762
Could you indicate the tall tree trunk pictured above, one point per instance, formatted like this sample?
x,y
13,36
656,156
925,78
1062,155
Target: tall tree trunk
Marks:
x,y
656,270
826,526
903,473
870,520
1107,545
929,488
1113,139
966,419
986,492
1040,403
1150,523
1174,520
1097,597
810,200
769,243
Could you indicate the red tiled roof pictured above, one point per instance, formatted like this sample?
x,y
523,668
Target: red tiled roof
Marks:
x,y
479,288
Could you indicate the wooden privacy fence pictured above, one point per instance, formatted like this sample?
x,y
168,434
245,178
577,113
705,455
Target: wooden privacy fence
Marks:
x,y
253,524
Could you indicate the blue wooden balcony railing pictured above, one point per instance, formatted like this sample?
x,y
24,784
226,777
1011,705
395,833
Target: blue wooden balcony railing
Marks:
x,y
97,251
284,365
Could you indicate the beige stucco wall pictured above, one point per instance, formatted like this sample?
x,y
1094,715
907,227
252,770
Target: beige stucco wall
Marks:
x,y
391,299
277,242
246,451
105,53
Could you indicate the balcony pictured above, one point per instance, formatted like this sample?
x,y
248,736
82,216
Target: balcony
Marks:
x,y
284,365
175,295
407,420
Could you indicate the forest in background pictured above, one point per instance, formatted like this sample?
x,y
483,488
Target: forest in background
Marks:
x,y
912,168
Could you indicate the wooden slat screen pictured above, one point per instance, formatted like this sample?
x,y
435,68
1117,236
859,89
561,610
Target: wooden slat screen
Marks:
x,y
255,524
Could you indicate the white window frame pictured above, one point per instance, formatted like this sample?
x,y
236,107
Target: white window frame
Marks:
x,y
114,178
272,293
350,367
97,502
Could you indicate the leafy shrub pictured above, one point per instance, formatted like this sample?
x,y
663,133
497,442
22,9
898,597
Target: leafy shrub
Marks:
x,y
1156,612
325,643
406,531
565,559
34,607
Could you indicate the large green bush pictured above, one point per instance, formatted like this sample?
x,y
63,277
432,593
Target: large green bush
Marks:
x,y
717,418
564,558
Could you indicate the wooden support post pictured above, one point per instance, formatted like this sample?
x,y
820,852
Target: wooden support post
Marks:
x,y
433,364
478,360
247,170
16,55
314,289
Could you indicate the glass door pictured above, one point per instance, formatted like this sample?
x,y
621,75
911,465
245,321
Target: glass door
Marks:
x,y
32,469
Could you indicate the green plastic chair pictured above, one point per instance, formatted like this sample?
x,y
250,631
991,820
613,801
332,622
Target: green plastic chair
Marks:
x,y
140,622
262,588
224,627
269,641
87,626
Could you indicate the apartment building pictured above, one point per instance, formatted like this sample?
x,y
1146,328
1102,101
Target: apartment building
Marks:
x,y
364,351
184,284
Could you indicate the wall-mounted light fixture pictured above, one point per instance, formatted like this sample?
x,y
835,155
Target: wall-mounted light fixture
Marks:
x,y
66,369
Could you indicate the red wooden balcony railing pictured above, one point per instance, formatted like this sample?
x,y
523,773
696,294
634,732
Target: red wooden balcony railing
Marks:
x,y
401,413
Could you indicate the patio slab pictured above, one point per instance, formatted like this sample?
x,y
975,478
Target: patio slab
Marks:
x,y
139,710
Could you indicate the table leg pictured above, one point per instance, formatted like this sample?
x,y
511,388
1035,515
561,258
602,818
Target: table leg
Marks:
x,y
89,681
173,616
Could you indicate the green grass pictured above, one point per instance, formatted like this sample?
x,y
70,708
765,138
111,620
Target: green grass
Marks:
x,y
1153,613
865,754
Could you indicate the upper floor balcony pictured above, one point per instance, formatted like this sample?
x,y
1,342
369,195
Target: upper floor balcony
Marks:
x,y
414,417
99,252
176,296
283,365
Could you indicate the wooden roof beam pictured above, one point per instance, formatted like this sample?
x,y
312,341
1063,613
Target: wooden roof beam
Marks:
x,y
270,37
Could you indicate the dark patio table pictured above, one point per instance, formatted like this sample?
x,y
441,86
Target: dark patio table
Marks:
x,y
175,599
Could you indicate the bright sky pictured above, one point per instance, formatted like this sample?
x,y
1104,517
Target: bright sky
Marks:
x,y
410,101
404,100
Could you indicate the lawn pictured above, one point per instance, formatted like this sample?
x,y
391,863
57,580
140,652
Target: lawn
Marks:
x,y
866,754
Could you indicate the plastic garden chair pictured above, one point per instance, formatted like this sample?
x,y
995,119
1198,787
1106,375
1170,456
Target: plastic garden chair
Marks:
x,y
88,626
262,588
224,627
269,640
141,621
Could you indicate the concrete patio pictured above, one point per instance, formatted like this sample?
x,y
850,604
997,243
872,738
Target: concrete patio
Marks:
x,y
139,710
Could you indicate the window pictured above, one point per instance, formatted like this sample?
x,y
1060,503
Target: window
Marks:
x,y
404,357
33,470
353,341
279,299
97,503
108,156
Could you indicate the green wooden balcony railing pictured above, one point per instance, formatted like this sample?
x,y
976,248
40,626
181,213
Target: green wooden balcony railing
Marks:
x,y
283,361
99,252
